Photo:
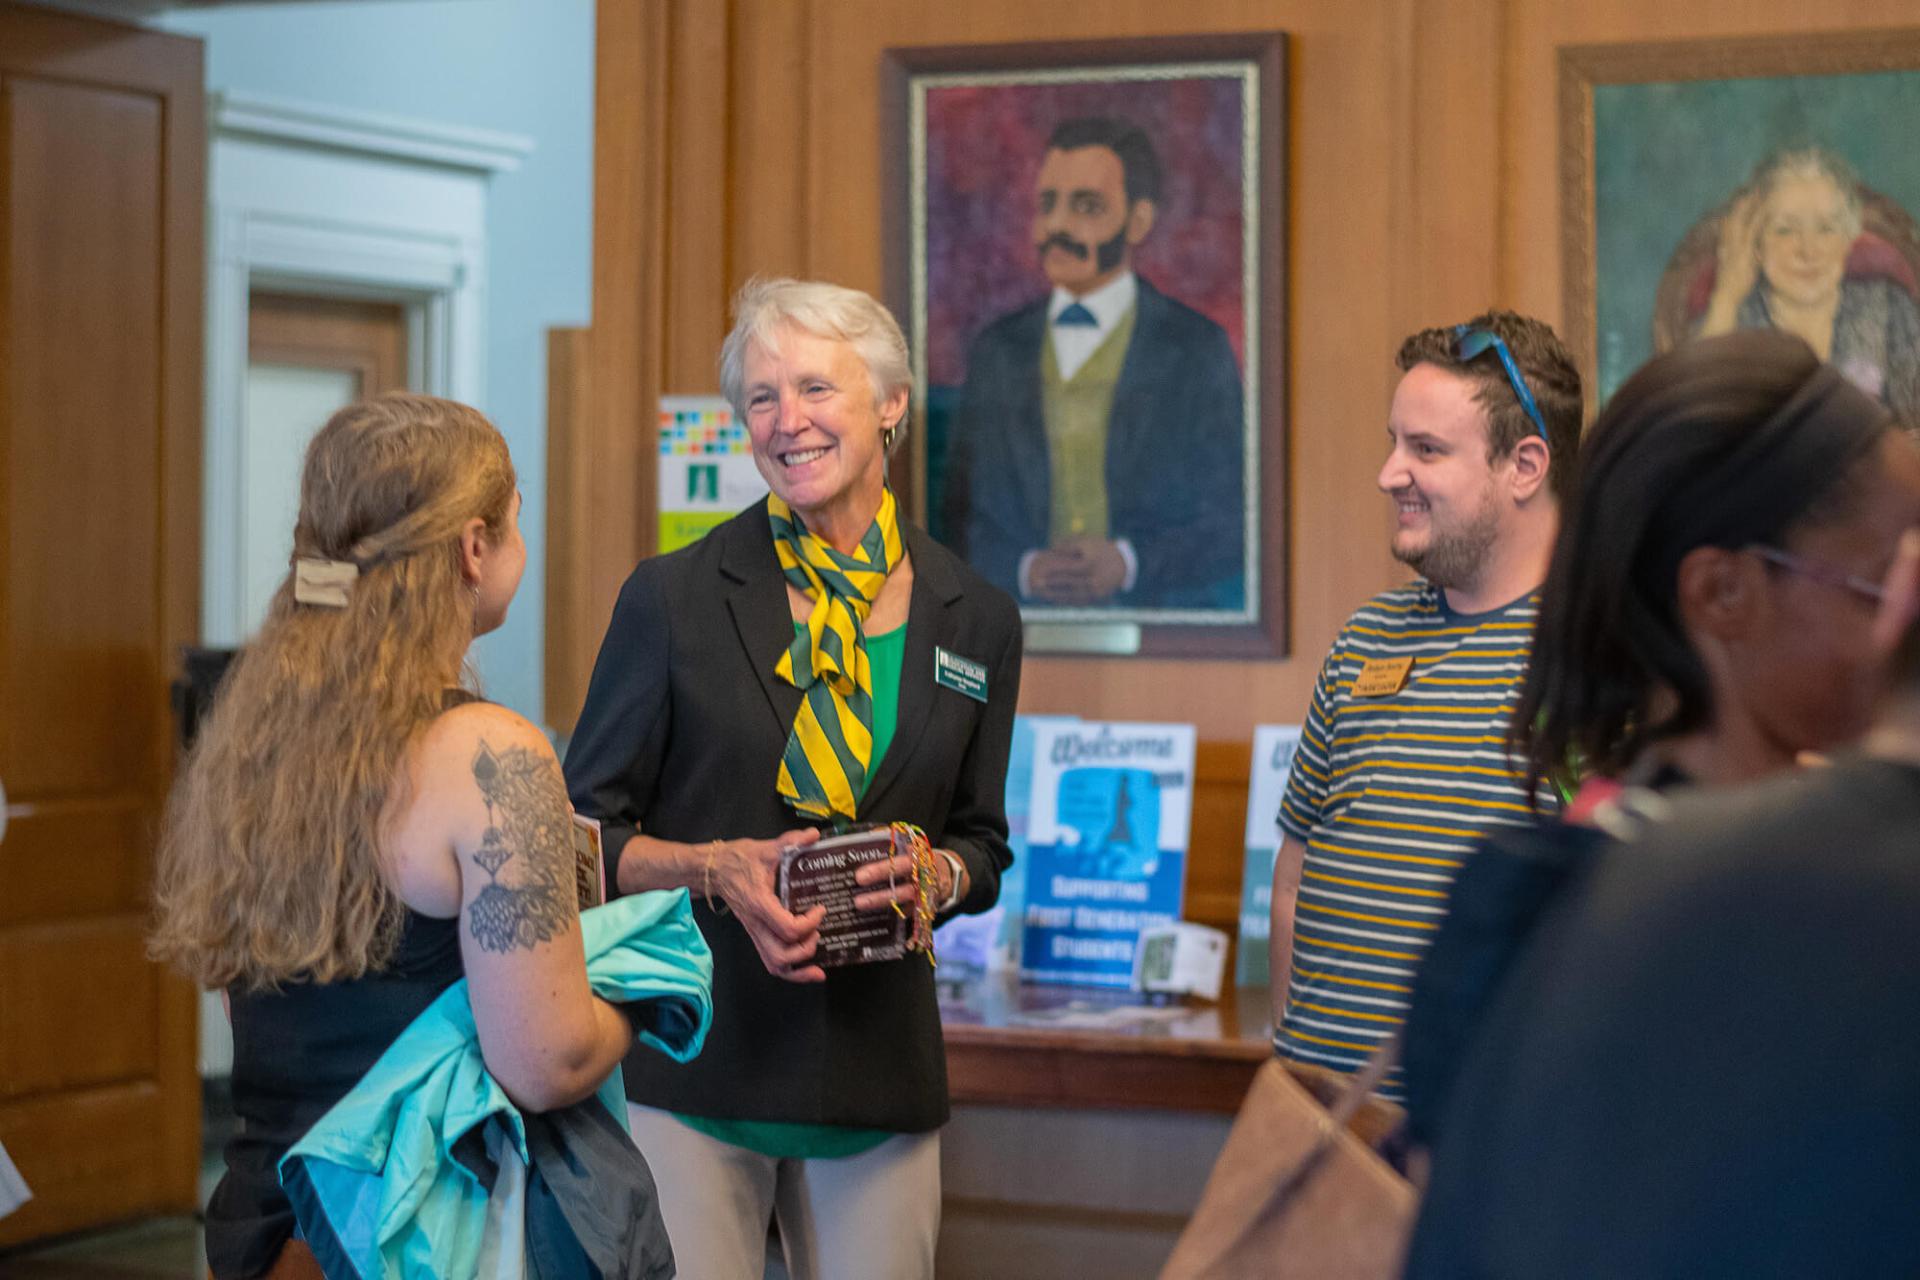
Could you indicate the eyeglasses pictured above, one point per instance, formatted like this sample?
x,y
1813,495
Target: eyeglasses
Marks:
x,y
1470,343
1814,571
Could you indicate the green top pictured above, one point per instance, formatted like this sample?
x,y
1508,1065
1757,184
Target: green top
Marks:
x,y
886,654
1075,412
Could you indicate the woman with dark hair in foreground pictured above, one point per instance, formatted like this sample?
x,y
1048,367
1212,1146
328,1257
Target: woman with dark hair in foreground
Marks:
x,y
1706,612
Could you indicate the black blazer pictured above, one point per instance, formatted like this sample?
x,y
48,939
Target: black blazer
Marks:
x,y
681,736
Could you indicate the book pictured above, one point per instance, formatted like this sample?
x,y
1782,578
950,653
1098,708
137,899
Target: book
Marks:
x,y
589,862
1107,831
1273,749
821,873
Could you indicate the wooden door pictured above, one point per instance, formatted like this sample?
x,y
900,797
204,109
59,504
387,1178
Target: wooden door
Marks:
x,y
102,156
365,340
306,357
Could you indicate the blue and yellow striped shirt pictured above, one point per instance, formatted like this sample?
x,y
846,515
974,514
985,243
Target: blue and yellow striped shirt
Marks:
x,y
1390,794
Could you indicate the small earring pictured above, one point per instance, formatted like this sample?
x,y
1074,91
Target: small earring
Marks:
x,y
886,437
474,588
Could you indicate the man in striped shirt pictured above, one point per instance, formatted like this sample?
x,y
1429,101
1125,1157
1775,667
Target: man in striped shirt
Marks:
x,y
1403,765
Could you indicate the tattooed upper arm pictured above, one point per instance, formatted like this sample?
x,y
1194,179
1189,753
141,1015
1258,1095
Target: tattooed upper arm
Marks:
x,y
499,808
526,850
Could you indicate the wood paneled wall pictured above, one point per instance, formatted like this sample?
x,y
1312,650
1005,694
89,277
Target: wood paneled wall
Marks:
x,y
743,136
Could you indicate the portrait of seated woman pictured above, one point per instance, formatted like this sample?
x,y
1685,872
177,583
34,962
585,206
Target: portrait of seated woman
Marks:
x,y
1805,247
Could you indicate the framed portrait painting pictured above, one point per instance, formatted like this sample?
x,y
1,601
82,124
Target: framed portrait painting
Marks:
x,y
1714,185
1085,246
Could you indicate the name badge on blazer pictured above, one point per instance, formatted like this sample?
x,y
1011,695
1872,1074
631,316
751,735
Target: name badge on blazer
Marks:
x,y
962,675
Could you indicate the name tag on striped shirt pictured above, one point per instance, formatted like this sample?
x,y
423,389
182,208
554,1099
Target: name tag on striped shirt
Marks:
x,y
1382,676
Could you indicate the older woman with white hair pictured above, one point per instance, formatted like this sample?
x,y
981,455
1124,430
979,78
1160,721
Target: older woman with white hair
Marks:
x,y
792,673
1785,252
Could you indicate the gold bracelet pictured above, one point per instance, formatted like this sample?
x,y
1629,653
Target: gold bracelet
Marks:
x,y
706,878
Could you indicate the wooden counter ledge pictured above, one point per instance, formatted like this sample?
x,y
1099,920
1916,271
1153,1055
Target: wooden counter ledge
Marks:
x,y
1058,1046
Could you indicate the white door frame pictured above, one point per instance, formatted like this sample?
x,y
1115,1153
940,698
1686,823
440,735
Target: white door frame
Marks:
x,y
314,199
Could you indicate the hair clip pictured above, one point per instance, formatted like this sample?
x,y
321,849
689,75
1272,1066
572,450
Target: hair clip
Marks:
x,y
323,582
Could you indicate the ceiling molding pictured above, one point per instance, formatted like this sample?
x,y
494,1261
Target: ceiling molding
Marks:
x,y
238,114
139,12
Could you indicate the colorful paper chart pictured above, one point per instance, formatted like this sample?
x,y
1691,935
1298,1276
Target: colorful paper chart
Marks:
x,y
706,470
703,430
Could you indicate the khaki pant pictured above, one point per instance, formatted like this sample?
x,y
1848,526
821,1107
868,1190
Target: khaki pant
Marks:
x,y
872,1216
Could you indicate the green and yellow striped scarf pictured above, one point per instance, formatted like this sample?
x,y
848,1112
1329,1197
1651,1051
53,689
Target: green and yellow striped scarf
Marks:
x,y
830,746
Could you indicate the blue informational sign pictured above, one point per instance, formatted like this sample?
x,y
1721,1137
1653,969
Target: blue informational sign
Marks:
x,y
1106,846
1273,748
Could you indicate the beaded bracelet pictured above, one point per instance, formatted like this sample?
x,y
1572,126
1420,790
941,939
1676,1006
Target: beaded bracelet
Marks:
x,y
925,880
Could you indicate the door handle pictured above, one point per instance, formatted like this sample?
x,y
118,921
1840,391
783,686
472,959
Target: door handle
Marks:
x,y
3,809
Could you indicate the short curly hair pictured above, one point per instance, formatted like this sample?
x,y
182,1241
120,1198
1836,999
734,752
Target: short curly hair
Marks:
x,y
1550,374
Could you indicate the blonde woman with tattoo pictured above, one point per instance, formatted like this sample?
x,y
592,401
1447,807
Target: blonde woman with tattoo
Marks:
x,y
356,831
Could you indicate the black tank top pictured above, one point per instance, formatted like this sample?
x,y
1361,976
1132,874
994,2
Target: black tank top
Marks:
x,y
298,1051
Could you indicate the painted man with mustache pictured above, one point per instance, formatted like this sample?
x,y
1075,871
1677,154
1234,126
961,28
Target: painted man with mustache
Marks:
x,y
1097,457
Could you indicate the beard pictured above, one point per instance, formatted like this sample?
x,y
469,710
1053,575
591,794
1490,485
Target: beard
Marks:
x,y
1455,552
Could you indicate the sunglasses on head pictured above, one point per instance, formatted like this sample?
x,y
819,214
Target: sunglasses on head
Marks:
x,y
1470,343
